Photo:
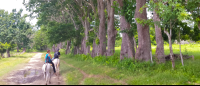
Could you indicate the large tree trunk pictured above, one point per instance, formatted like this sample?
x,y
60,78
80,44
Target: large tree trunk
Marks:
x,y
127,47
75,50
17,49
95,49
124,46
83,46
159,40
170,45
144,46
8,53
111,29
68,47
24,50
87,26
131,50
102,30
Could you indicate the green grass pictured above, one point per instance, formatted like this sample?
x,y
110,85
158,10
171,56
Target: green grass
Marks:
x,y
134,73
71,75
13,63
97,81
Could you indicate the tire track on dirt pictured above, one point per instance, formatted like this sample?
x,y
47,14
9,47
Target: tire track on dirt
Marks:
x,y
85,75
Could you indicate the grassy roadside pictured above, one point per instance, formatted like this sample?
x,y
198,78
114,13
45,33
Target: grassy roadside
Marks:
x,y
13,63
150,74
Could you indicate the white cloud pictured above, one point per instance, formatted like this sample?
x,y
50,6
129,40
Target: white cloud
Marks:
x,y
8,5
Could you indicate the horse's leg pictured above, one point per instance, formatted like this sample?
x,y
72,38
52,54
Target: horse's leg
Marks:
x,y
50,77
47,75
59,67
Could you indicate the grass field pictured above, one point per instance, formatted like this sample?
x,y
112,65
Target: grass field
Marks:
x,y
12,63
101,73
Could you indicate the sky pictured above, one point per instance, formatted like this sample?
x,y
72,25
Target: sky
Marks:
x,y
8,5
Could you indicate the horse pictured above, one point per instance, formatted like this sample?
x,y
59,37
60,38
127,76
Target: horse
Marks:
x,y
57,65
47,71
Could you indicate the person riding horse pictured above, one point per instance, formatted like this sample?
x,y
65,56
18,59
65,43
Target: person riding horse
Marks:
x,y
56,55
48,60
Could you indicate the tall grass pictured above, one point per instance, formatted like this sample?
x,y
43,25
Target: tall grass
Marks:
x,y
147,72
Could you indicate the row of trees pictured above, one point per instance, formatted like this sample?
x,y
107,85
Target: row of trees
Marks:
x,y
15,32
85,23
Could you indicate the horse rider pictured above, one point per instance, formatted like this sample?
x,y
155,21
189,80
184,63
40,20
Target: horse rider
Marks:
x,y
48,60
56,54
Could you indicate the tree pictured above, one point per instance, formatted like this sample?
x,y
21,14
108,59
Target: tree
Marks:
x,y
7,32
111,31
2,49
102,29
144,45
193,7
159,39
56,11
170,13
126,22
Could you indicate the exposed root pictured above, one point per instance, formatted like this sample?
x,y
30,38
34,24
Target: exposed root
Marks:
x,y
177,56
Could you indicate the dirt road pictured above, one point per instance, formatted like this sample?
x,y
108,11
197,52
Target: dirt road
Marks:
x,y
31,74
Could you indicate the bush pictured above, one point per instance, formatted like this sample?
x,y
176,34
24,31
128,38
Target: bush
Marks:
x,y
114,61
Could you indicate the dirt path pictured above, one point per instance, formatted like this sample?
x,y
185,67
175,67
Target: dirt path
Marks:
x,y
31,74
85,75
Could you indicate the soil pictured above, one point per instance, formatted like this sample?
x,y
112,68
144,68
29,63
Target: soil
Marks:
x,y
31,74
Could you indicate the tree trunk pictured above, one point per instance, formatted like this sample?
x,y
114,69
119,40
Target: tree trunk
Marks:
x,y
17,49
171,52
87,26
68,47
83,46
180,48
124,46
170,45
63,44
95,49
2,55
144,42
111,29
24,50
8,53
159,40
75,50
53,48
102,30
127,47
131,50
59,45
199,25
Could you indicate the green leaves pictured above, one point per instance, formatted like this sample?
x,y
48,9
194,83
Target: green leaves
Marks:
x,y
2,48
97,41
